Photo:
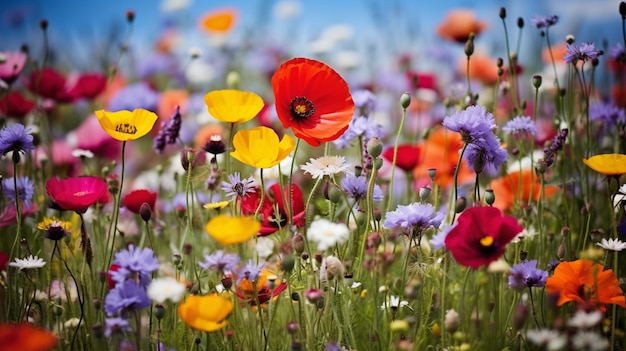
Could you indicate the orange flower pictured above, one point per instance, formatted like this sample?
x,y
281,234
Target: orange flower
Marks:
x,y
219,21
207,313
25,337
203,135
246,289
482,68
312,99
587,283
558,52
168,101
458,25
508,191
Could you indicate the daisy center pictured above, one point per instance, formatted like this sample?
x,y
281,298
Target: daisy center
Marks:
x,y
486,241
301,108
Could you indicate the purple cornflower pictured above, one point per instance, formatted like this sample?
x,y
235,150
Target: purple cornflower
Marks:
x,y
485,153
607,113
583,52
471,123
135,263
249,271
236,187
438,240
17,139
331,346
544,21
126,296
360,126
356,187
416,216
527,275
549,152
520,126
25,189
138,95
220,262
168,134
617,53
115,325
364,102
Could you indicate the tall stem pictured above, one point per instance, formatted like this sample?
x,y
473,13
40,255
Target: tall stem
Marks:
x,y
116,210
395,157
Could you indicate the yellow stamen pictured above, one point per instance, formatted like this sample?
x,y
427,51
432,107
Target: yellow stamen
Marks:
x,y
486,241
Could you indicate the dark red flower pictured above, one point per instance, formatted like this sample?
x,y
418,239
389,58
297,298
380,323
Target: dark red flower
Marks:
x,y
113,268
407,158
15,105
78,193
272,220
4,261
135,199
480,236
89,86
50,84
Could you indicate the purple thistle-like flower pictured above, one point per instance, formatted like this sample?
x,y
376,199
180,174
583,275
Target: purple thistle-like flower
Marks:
x,y
169,132
416,216
607,113
485,153
135,263
364,102
471,123
220,262
115,325
25,189
617,53
360,126
549,152
438,241
583,52
520,125
236,187
15,138
249,271
356,188
544,21
126,296
527,275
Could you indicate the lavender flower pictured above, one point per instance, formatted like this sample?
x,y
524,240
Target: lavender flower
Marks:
x,y
135,263
584,52
607,113
544,21
236,187
249,271
126,296
115,325
527,275
416,216
356,188
520,125
25,190
220,262
168,134
471,123
549,152
15,138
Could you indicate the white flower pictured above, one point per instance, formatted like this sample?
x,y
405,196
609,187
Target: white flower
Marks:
x,y
327,234
80,153
71,323
174,5
31,262
287,9
589,341
167,288
451,321
264,247
584,320
326,166
550,339
612,244
394,302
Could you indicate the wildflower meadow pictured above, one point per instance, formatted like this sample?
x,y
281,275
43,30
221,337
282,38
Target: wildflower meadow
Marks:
x,y
246,194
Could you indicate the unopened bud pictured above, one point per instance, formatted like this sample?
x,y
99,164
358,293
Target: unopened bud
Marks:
x,y
43,24
536,81
405,100
232,80
130,16
287,264
145,212
298,243
570,39
374,147
622,9
424,193
292,327
490,197
432,173
520,22
469,46
460,204
502,12
159,311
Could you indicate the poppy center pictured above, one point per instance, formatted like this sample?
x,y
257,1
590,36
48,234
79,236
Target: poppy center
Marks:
x,y
126,128
486,241
301,108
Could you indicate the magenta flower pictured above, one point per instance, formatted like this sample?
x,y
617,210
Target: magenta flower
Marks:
x,y
12,65
77,194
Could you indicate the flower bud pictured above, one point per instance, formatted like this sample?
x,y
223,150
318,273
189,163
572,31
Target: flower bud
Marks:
x,y
451,321
499,62
432,173
523,255
378,163
334,193
227,282
424,193
502,12
145,212
520,314
43,24
436,330
399,326
405,100
374,147
570,39
334,268
313,295
176,259
287,263
460,204
490,197
232,80
622,9
292,327
298,243
536,81
159,311
469,46
520,22
130,16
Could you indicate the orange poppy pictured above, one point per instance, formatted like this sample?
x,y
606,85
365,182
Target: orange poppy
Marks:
x,y
441,152
25,337
219,21
558,52
312,99
508,191
587,283
458,25
203,135
482,68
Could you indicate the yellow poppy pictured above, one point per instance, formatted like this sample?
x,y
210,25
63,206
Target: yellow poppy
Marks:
x,y
216,205
126,125
607,164
207,313
233,106
259,147
232,230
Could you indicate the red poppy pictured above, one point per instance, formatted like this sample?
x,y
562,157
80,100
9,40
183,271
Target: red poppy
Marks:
x,y
480,236
407,158
89,86
15,105
135,199
49,83
272,221
312,99
587,283
25,337
78,193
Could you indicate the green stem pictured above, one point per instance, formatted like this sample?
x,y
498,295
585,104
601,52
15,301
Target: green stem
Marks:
x,y
456,182
256,213
395,157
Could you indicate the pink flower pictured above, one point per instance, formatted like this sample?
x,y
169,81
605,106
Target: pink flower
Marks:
x,y
12,65
78,193
90,136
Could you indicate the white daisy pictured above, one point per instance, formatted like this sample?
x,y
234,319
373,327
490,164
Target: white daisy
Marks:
x,y
394,303
612,244
327,234
32,262
589,341
326,166
584,320
550,339
168,288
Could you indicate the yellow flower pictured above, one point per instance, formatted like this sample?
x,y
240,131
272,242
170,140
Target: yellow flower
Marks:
x,y
233,106
126,125
55,229
216,205
259,147
232,230
607,164
207,313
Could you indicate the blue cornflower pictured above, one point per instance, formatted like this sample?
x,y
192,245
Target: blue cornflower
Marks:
x,y
359,126
364,102
527,275
607,113
236,188
544,21
416,216
519,126
15,138
249,271
138,95
135,263
356,188
584,52
438,241
126,296
485,153
25,189
220,262
115,325
471,123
